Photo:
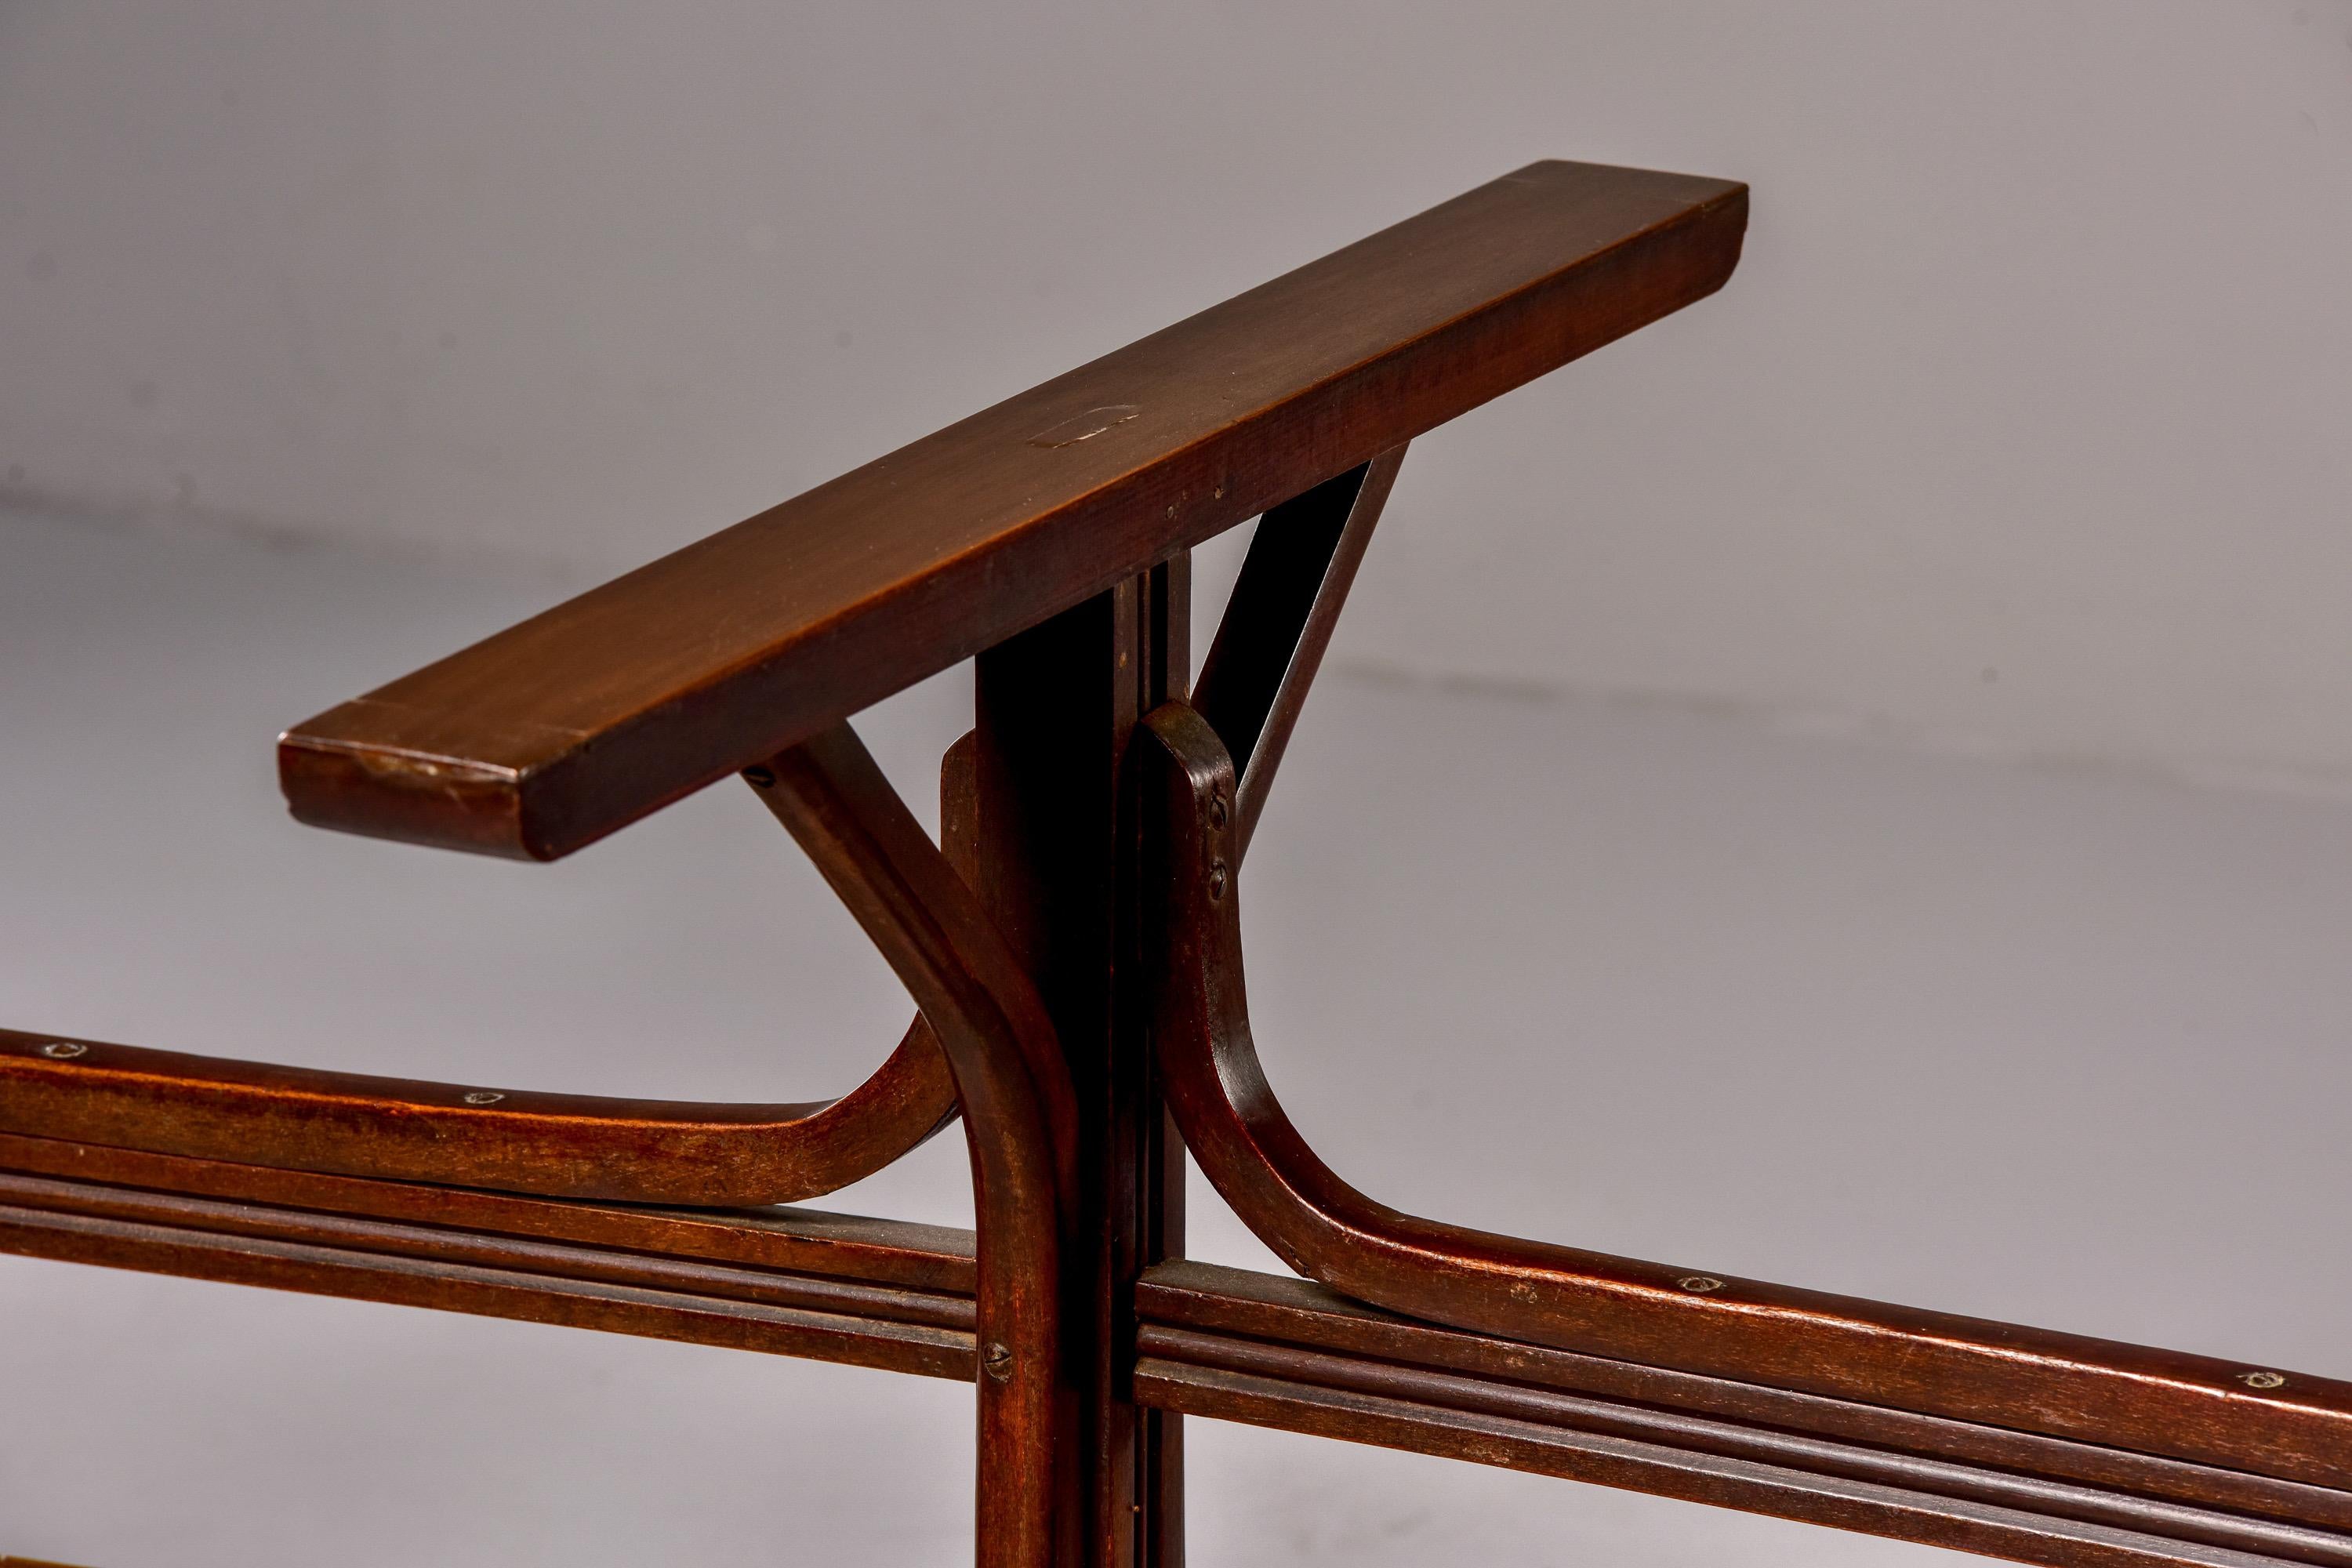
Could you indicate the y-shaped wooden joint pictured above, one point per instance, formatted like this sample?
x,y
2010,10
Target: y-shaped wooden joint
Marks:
x,y
1020,1119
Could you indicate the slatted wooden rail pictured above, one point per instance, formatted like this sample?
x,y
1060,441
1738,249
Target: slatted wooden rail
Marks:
x,y
1072,947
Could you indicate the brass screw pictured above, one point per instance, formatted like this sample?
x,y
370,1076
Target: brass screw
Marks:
x,y
1219,879
65,1050
997,1363
1217,812
758,776
484,1097
1699,1284
2263,1379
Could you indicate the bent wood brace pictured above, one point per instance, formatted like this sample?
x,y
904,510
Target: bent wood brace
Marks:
x,y
548,736
747,653
1206,768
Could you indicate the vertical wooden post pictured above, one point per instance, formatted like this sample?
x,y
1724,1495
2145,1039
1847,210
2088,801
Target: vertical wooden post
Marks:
x,y
1056,707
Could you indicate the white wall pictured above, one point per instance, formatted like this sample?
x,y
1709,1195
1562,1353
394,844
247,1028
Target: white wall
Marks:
x,y
2024,424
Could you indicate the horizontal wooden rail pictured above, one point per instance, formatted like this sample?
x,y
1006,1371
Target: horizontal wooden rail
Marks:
x,y
748,650
1286,1352
794,1240
1211,1341
560,729
1446,1426
822,1318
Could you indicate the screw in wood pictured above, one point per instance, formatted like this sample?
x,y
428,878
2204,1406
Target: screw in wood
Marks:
x,y
2263,1379
65,1050
1219,877
1217,812
758,776
997,1363
484,1097
1699,1284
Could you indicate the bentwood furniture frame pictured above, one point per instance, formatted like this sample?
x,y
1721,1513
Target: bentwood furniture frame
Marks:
x,y
1072,947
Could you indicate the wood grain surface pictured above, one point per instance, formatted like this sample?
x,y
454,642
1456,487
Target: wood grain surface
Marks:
x,y
557,731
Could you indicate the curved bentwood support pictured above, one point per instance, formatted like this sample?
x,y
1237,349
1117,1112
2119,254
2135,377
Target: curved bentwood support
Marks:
x,y
2281,1425
1021,1119
1073,505
517,1140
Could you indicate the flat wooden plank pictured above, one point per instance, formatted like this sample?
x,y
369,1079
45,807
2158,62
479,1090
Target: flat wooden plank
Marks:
x,y
551,734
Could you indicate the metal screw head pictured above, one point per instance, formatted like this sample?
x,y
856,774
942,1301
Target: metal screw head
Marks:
x,y
484,1097
65,1050
1217,811
758,776
997,1362
1699,1284
1220,878
2263,1379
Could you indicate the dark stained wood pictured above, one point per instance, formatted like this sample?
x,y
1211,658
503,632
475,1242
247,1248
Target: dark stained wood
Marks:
x,y
560,1146
1552,1448
1234,1319
1269,644
1072,947
1435,1390
550,735
1021,1123
556,1145
567,1299
1056,706
846,1246
1148,1152
585,1265
1938,1490
2290,1426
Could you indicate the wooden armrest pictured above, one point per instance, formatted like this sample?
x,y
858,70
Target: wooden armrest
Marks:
x,y
557,731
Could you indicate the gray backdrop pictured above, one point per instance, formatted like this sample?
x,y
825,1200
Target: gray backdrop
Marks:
x,y
2021,428
1856,774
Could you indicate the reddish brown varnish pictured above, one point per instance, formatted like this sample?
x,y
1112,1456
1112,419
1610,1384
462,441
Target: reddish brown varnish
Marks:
x,y
583,719
1072,947
556,1145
